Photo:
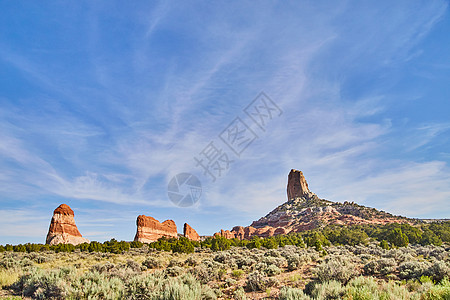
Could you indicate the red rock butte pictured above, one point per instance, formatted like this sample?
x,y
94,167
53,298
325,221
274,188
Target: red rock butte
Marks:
x,y
150,230
304,210
63,229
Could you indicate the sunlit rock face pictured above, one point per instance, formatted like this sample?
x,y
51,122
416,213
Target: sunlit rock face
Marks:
x,y
297,186
63,229
150,230
190,233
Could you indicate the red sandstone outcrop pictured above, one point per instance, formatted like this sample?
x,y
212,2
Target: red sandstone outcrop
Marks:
x,y
190,233
149,229
226,233
297,186
63,229
305,211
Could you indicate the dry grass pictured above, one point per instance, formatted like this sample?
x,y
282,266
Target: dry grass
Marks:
x,y
8,277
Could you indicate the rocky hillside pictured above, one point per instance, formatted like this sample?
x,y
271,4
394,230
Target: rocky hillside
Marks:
x,y
304,210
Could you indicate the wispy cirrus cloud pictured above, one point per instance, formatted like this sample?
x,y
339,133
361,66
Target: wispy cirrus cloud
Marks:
x,y
129,106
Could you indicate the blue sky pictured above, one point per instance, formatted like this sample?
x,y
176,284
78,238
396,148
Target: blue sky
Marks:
x,y
101,104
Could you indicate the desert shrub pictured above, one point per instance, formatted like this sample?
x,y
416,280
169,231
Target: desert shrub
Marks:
x,y
40,257
272,270
257,281
43,284
156,287
175,263
121,271
294,262
412,269
8,277
437,292
94,285
362,288
223,258
277,261
439,253
273,253
211,264
185,287
204,274
244,262
336,268
438,270
239,294
15,262
381,266
104,268
143,286
174,271
152,263
132,265
229,282
177,290
328,290
288,293
365,257
191,261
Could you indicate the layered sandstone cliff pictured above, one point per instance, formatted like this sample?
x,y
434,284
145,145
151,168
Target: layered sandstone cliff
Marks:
x,y
149,229
63,229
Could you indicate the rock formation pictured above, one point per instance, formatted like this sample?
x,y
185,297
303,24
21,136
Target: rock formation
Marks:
x,y
304,210
190,233
149,229
63,229
297,186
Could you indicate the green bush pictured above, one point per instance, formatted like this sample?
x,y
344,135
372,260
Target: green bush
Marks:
x,y
397,238
183,245
255,243
220,243
384,244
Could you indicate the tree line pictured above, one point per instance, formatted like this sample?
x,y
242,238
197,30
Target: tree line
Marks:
x,y
388,236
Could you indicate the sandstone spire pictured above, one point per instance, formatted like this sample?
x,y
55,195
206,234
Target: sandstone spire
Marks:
x,y
297,185
63,229
190,233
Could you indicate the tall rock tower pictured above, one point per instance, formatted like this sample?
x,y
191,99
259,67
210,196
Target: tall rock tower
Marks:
x,y
63,229
297,186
